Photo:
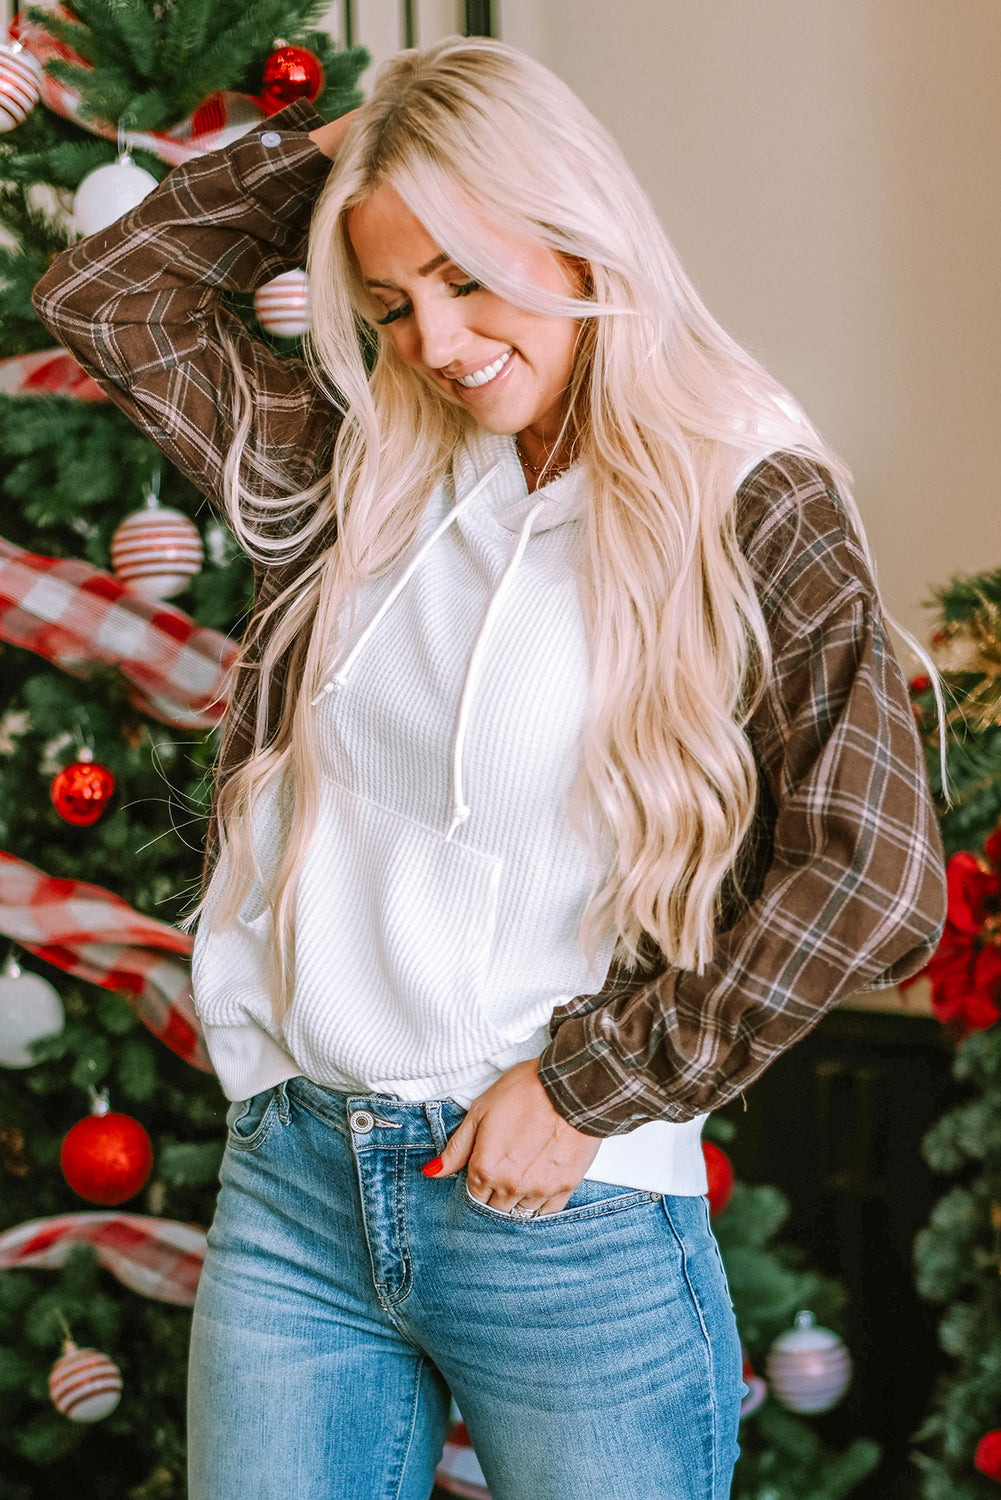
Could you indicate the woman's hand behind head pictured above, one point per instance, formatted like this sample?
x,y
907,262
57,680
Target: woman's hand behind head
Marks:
x,y
330,137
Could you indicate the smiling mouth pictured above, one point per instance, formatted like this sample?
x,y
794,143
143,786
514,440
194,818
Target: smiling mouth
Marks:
x,y
484,376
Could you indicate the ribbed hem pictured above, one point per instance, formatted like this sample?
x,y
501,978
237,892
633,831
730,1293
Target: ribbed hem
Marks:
x,y
658,1157
247,1060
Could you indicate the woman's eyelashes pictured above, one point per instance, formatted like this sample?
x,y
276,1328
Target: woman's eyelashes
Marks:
x,y
460,289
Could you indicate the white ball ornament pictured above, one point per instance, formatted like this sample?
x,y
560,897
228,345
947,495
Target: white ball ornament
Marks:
x,y
84,1384
108,192
30,1009
809,1368
20,85
156,551
282,305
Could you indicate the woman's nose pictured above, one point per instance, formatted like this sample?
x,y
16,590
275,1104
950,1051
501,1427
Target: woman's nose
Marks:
x,y
441,329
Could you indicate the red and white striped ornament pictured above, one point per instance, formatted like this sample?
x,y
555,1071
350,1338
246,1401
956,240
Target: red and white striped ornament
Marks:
x,y
84,1384
20,85
809,1368
282,305
156,551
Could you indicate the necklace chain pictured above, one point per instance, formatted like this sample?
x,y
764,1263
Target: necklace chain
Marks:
x,y
549,468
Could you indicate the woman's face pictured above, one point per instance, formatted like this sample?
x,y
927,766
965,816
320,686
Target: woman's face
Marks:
x,y
510,368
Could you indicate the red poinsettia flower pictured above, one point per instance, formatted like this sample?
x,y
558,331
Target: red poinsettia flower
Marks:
x,y
973,893
965,983
965,970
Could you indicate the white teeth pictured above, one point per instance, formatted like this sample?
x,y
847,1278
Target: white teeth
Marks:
x,y
488,373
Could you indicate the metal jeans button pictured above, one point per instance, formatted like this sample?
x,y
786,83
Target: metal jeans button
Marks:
x,y
361,1121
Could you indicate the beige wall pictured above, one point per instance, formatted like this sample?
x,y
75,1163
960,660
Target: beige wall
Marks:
x,y
829,170
378,24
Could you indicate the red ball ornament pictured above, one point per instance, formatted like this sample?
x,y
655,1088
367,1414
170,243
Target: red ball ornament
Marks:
x,y
81,791
106,1158
719,1171
987,1458
290,73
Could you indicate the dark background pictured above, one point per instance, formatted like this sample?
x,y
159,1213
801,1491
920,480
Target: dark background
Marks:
x,y
836,1124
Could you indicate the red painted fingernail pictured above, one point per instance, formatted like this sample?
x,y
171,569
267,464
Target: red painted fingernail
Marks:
x,y
433,1167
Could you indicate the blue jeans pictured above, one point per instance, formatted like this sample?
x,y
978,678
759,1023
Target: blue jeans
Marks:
x,y
593,1353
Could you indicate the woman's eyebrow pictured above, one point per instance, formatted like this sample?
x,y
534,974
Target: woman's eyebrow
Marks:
x,y
433,264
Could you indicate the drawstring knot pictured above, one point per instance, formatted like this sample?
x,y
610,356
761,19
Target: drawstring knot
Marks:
x,y
325,691
460,815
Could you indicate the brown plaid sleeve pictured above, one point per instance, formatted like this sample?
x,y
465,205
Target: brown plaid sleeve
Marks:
x,y
136,303
852,893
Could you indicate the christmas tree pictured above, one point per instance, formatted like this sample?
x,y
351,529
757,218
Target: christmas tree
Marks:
x,y
958,1255
101,685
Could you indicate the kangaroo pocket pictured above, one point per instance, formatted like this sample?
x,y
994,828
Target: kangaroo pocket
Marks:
x,y
394,929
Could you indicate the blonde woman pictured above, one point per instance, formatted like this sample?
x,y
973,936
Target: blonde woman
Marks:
x,y
569,779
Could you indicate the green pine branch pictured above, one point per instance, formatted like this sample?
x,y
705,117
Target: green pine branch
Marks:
x,y
958,1253
150,66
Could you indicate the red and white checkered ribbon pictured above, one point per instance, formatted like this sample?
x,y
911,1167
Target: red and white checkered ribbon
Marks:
x,y
47,372
158,1258
459,1471
92,933
220,118
76,615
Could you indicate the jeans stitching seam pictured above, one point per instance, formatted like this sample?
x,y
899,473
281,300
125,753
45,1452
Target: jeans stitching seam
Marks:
x,y
706,1339
719,1256
400,1206
418,1368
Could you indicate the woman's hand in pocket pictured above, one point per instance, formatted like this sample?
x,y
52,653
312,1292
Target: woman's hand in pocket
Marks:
x,y
519,1153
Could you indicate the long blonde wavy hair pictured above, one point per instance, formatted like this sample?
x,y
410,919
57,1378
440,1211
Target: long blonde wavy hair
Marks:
x,y
667,411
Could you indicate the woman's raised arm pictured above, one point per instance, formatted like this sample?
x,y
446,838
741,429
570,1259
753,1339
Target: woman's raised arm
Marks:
x,y
137,302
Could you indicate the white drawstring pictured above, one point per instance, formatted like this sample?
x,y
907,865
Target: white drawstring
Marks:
x,y
339,678
460,810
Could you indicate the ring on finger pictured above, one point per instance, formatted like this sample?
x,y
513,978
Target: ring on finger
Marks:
x,y
521,1212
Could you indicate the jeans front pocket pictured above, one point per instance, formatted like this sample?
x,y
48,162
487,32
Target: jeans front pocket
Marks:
x,y
590,1200
248,1121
